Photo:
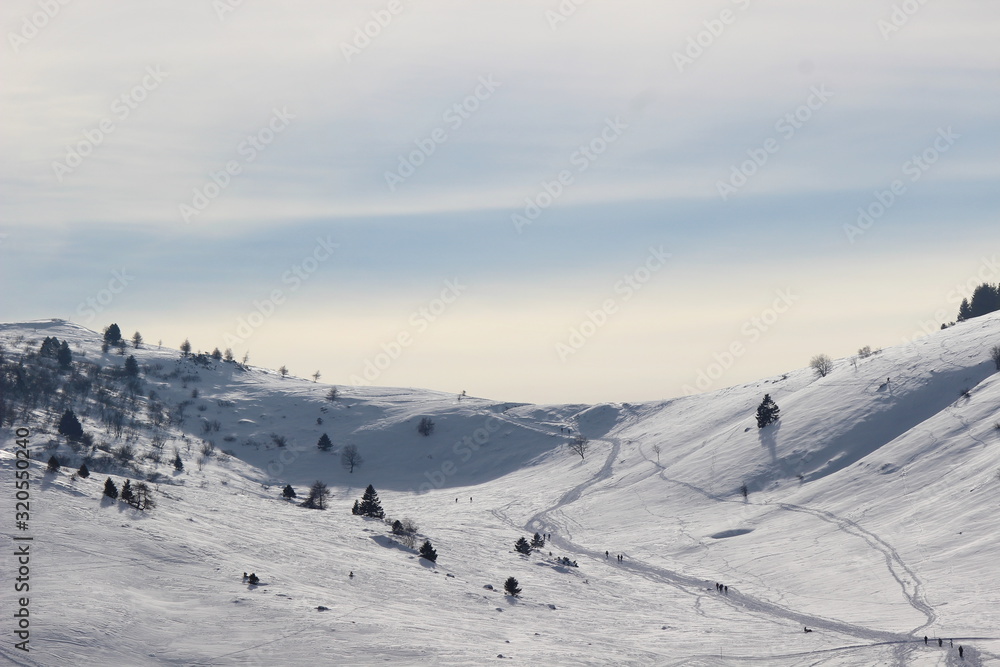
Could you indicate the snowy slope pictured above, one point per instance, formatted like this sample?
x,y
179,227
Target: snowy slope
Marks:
x,y
871,518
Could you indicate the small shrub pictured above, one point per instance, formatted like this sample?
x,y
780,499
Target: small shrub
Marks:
x,y
279,440
426,426
865,351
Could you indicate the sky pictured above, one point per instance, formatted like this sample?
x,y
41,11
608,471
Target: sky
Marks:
x,y
529,201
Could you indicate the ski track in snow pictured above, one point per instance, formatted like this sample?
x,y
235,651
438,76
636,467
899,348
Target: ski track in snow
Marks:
x,y
909,582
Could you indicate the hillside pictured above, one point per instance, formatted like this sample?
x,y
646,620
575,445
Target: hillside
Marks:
x,y
871,517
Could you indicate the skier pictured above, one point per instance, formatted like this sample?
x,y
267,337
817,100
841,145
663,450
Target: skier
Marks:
x,y
253,579
807,629
961,652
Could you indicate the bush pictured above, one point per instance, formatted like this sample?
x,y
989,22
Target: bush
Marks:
x,y
426,426
865,351
288,492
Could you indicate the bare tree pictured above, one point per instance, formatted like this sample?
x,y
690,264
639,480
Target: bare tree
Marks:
x,y
318,494
995,355
316,376
136,340
332,394
822,364
283,371
579,445
656,450
186,347
351,458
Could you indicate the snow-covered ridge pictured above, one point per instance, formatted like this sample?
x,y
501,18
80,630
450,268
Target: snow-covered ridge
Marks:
x,y
870,518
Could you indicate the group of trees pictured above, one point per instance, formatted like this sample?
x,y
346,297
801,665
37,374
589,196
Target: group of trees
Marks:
x,y
985,299
138,496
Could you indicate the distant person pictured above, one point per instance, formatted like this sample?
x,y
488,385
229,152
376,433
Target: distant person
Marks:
x,y
726,589
925,640
607,555
806,630
940,642
244,576
351,575
253,579
961,653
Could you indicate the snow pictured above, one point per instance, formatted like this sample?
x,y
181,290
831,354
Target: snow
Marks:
x,y
871,519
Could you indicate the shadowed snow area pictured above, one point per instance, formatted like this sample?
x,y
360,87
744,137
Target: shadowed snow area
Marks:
x,y
870,518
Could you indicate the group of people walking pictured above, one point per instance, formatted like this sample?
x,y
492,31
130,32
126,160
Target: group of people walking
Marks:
x,y
951,643
619,556
722,588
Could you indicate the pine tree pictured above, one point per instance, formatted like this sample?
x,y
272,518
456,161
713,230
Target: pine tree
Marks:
x,y
511,587
356,510
178,464
216,354
186,347
69,426
126,494
427,551
370,505
65,356
110,490
83,472
131,366
288,492
136,340
537,542
324,443
522,546
53,464
112,334
767,412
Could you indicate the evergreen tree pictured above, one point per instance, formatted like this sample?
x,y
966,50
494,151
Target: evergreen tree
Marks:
x,y
216,354
288,492
110,490
69,426
522,546
83,472
112,334
136,340
427,551
53,464
186,347
65,356
131,366
370,505
397,527
178,464
49,348
126,494
511,587
324,443
537,542
227,355
767,412
356,510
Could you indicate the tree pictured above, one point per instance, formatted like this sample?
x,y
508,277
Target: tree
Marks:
x,y
356,510
70,427
995,355
426,426
318,495
579,445
141,498
110,490
324,444
227,355
865,352
427,551
656,450
370,505
537,542
53,464
767,412
511,587
83,472
822,364
126,494
64,356
332,394
350,458
178,464
522,546
136,340
316,376
131,366
186,347
744,490
283,371
216,354
112,334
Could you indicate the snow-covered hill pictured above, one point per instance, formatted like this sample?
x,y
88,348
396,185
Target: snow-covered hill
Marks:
x,y
871,518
